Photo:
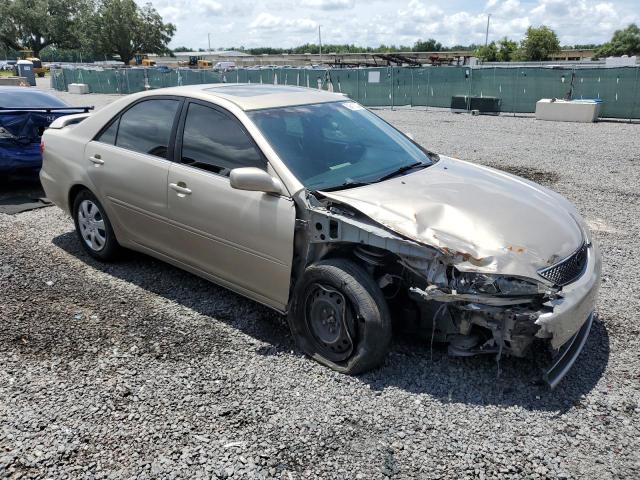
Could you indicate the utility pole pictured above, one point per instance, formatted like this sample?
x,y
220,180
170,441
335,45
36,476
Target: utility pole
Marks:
x,y
320,42
486,36
209,37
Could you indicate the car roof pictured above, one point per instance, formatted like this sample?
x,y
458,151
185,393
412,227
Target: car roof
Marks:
x,y
255,96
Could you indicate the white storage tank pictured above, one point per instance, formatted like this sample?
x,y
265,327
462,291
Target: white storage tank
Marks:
x,y
568,110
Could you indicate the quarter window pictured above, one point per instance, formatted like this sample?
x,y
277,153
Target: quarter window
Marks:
x,y
146,127
217,143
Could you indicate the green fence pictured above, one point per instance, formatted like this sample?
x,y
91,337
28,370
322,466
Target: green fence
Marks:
x,y
518,88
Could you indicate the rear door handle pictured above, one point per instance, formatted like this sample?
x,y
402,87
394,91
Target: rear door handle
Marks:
x,y
180,187
96,159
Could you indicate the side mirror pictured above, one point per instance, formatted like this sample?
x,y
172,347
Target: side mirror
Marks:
x,y
254,180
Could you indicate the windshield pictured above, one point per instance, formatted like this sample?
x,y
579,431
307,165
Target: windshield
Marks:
x,y
20,97
337,145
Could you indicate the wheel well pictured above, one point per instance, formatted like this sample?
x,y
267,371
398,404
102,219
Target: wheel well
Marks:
x,y
73,193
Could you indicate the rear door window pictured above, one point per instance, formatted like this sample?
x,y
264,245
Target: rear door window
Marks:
x,y
146,127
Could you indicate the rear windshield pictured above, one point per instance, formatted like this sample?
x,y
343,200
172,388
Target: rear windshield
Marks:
x,y
21,97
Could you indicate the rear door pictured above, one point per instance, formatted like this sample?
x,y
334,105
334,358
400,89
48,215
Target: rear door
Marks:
x,y
128,162
243,239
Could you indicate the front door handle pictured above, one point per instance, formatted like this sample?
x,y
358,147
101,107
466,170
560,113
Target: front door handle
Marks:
x,y
96,159
181,187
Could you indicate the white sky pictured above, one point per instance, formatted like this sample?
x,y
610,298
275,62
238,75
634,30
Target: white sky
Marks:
x,y
287,23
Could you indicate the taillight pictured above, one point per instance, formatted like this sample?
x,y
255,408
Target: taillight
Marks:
x,y
41,147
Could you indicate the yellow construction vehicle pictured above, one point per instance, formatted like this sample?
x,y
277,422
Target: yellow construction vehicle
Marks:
x,y
202,63
142,60
38,68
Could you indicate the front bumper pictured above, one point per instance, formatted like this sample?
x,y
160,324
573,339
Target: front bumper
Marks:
x,y
574,307
568,354
569,324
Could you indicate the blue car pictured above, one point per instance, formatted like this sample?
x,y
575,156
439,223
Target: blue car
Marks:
x,y
24,115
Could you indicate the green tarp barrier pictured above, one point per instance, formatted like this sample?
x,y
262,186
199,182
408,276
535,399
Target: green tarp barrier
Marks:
x,y
518,88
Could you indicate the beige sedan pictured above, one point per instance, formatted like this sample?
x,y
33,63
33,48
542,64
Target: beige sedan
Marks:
x,y
312,205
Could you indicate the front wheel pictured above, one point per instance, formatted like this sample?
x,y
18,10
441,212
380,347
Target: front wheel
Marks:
x,y
93,227
339,317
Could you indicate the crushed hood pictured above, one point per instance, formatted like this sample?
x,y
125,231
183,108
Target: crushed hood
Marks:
x,y
490,221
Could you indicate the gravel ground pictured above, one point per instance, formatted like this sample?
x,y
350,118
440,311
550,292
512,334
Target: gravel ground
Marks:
x,y
136,369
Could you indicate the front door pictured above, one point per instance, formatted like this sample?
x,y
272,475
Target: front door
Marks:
x,y
243,239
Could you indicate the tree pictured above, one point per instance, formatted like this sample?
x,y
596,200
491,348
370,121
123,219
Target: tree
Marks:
x,y
488,53
539,43
583,46
623,42
506,50
36,24
123,28
429,46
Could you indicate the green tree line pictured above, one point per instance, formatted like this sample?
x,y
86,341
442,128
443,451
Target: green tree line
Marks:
x,y
540,43
88,30
429,45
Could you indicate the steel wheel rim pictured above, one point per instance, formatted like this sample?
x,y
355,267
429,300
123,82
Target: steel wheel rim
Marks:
x,y
91,224
328,320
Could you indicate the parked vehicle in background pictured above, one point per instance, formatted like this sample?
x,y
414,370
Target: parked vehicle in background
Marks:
x,y
224,66
24,115
9,65
142,60
309,203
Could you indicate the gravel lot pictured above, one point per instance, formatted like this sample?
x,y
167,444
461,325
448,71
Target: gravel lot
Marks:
x,y
137,369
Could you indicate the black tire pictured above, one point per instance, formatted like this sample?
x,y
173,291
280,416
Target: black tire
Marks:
x,y
366,316
108,249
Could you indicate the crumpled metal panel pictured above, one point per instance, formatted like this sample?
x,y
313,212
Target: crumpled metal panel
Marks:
x,y
26,125
23,151
484,219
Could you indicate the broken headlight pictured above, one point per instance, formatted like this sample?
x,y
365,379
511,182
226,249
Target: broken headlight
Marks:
x,y
487,284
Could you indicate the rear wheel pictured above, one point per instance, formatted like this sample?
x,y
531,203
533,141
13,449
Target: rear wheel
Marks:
x,y
340,318
93,227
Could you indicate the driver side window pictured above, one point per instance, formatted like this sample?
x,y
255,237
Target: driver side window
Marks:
x,y
215,142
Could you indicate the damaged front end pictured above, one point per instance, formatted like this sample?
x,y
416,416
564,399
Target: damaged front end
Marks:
x,y
448,296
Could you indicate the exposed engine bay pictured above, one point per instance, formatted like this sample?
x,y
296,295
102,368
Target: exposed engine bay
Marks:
x,y
475,313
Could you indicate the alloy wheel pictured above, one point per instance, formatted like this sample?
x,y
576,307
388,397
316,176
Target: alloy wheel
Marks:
x,y
92,227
